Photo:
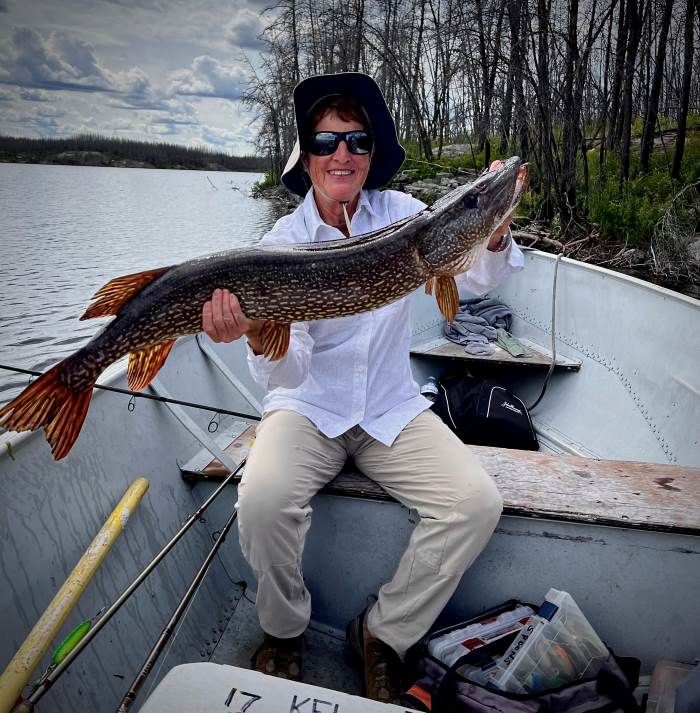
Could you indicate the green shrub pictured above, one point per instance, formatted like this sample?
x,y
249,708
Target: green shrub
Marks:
x,y
267,182
628,217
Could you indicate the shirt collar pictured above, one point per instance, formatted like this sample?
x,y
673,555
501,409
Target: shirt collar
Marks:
x,y
313,221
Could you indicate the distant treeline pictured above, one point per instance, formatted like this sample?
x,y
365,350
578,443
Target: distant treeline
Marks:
x,y
95,150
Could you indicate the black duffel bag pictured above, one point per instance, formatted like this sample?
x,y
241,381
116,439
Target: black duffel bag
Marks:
x,y
484,413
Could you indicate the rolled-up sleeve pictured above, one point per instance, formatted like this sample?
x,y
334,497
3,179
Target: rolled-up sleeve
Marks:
x,y
493,269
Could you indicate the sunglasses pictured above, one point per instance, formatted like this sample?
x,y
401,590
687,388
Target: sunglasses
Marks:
x,y
325,143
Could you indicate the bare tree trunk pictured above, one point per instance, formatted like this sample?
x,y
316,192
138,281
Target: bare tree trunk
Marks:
x,y
620,49
685,92
359,22
604,120
634,15
567,178
514,67
544,108
419,52
653,105
295,42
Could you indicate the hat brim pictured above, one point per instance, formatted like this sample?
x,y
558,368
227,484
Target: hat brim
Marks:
x,y
388,153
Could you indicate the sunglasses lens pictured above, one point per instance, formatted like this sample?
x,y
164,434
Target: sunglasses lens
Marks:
x,y
359,142
323,143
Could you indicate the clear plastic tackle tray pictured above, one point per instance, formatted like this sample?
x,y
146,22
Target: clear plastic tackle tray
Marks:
x,y
555,647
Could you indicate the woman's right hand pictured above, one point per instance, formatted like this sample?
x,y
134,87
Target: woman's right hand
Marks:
x,y
223,320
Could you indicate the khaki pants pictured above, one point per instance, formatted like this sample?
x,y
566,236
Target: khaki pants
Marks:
x,y
427,468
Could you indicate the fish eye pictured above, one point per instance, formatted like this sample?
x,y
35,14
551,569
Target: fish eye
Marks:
x,y
471,200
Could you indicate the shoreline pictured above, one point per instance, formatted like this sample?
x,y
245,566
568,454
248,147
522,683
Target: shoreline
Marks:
x,y
126,163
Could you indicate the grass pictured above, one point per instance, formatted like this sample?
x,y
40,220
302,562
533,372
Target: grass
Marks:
x,y
630,214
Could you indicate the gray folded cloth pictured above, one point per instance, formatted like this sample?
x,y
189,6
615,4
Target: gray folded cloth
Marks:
x,y
465,322
495,313
476,324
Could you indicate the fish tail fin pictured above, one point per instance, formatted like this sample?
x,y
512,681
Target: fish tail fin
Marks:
x,y
110,298
50,403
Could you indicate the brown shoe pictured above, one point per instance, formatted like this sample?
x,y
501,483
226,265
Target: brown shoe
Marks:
x,y
279,657
383,667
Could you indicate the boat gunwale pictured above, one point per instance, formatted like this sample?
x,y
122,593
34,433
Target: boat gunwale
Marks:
x,y
639,282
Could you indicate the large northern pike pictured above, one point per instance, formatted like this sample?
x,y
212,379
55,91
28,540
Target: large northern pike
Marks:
x,y
279,284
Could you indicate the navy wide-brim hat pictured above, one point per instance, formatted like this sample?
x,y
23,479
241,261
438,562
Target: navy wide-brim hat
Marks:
x,y
388,153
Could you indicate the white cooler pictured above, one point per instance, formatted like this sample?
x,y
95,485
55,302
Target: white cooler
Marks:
x,y
214,688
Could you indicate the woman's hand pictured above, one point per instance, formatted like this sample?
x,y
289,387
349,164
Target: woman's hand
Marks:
x,y
223,320
497,237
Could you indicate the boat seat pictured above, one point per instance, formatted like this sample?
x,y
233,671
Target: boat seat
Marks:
x,y
541,357
628,494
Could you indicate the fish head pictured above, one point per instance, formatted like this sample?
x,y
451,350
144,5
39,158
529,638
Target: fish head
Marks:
x,y
471,213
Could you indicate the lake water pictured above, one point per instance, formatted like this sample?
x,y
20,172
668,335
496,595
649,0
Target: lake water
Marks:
x,y
67,230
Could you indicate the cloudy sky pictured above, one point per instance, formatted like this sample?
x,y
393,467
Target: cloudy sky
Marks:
x,y
157,70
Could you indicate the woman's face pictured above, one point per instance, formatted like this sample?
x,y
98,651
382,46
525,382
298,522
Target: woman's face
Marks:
x,y
340,176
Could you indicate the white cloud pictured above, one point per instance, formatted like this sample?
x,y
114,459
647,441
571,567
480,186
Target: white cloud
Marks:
x,y
64,62
244,29
33,95
156,5
59,61
135,68
208,77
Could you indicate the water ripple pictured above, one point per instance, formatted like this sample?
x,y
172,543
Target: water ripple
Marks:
x,y
57,254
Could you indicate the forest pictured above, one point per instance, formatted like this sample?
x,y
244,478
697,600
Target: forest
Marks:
x,y
95,150
600,96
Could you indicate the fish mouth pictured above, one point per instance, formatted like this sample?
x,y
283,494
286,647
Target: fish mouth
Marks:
x,y
500,191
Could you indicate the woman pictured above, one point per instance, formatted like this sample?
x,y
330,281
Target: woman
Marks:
x,y
344,389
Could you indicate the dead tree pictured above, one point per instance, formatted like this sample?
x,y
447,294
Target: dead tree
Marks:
x,y
653,105
685,90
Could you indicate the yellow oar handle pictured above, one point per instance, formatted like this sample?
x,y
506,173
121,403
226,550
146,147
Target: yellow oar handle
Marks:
x,y
30,653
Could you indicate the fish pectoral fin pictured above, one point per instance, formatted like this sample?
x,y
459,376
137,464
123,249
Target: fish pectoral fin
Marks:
x,y
110,298
275,339
429,286
447,296
145,363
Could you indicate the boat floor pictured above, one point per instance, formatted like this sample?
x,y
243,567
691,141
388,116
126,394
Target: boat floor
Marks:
x,y
327,660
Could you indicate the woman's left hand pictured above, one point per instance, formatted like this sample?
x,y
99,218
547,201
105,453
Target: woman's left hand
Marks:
x,y
496,238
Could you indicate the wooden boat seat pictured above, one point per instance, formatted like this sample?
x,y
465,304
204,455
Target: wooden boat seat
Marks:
x,y
541,357
629,494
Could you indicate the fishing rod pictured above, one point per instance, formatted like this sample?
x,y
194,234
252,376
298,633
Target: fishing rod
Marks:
x,y
141,395
140,678
46,683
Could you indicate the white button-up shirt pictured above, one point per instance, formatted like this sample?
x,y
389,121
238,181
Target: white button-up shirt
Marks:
x,y
355,370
